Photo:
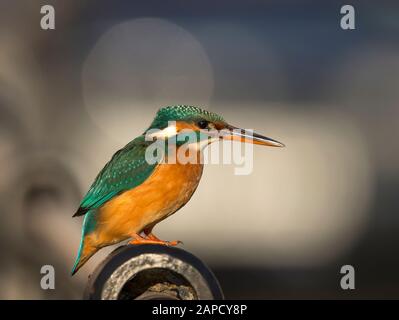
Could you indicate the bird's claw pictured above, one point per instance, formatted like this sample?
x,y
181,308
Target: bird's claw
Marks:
x,y
149,236
153,241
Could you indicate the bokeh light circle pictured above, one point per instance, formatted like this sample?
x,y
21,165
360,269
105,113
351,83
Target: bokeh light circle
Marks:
x,y
141,65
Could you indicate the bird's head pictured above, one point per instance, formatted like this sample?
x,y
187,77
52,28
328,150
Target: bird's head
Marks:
x,y
208,126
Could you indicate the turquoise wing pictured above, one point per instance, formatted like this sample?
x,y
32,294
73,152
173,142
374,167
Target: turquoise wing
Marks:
x,y
126,170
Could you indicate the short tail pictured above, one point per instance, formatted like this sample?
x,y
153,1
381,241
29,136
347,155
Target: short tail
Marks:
x,y
86,250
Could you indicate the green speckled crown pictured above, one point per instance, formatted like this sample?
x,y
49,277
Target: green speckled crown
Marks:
x,y
182,113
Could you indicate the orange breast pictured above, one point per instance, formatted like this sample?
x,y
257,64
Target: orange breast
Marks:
x,y
168,188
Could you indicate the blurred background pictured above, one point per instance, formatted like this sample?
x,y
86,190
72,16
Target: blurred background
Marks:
x,y
71,97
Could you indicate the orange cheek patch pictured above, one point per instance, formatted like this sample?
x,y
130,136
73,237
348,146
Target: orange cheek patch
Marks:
x,y
220,125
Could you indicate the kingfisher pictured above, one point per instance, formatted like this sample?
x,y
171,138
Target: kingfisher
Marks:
x,y
134,192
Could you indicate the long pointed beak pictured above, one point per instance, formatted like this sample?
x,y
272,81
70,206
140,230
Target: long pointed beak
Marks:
x,y
237,134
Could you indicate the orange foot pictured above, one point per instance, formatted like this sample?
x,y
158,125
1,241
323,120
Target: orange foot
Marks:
x,y
151,239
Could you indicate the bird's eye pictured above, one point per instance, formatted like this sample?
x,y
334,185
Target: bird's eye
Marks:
x,y
203,124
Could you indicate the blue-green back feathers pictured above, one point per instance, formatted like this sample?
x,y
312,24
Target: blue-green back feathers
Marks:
x,y
126,170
